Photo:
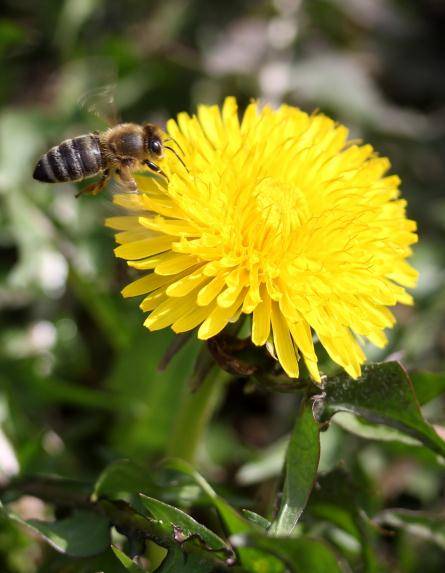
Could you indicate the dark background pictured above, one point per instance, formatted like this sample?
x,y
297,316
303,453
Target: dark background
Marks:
x,y
79,384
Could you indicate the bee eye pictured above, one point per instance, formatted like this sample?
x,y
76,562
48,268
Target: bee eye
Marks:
x,y
155,146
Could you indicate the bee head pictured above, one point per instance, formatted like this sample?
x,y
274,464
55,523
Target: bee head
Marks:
x,y
153,141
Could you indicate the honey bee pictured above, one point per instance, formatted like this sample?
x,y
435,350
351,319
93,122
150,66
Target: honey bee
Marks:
x,y
114,153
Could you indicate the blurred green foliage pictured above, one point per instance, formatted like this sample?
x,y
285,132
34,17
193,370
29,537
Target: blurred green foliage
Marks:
x,y
79,384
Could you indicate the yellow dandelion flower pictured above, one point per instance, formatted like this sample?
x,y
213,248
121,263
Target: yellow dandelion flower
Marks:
x,y
277,217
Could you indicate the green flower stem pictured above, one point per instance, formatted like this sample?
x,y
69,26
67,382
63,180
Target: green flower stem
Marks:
x,y
195,412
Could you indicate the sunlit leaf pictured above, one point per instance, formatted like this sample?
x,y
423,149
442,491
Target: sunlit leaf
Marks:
x,y
233,522
369,431
256,519
382,394
183,528
128,563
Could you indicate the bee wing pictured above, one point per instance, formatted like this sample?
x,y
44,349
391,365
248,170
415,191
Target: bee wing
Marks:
x,y
101,103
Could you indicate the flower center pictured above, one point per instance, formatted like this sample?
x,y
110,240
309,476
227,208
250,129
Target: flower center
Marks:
x,y
279,205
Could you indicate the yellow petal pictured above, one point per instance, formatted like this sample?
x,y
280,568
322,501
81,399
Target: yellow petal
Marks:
x,y
187,284
176,263
130,236
379,339
153,299
125,223
168,312
146,284
229,296
301,333
174,227
164,207
261,320
192,318
211,290
143,248
344,349
150,262
129,201
218,319
283,343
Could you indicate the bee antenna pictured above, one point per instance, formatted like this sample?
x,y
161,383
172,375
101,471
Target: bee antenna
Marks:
x,y
179,158
176,143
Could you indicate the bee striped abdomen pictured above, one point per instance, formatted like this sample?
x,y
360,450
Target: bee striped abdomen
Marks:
x,y
72,160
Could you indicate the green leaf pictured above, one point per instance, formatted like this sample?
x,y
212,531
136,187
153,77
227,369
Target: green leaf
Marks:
x,y
178,562
301,555
146,431
335,500
123,478
427,385
232,520
339,500
370,552
267,464
51,389
383,394
83,534
369,431
421,524
184,528
128,563
301,465
234,523
256,519
106,562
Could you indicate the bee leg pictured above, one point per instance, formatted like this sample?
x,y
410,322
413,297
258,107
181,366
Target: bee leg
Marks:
x,y
155,168
126,178
95,187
